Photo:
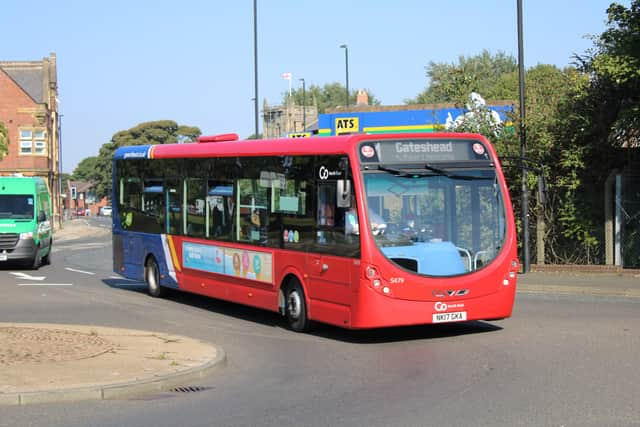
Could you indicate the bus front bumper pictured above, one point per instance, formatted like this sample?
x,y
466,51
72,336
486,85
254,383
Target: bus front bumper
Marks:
x,y
382,311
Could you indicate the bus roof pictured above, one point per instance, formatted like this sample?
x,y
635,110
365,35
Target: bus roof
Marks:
x,y
268,147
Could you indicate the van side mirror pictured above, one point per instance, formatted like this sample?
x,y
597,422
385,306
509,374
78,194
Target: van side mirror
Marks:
x,y
42,216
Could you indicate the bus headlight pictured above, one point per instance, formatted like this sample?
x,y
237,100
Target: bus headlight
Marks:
x,y
512,274
376,282
27,235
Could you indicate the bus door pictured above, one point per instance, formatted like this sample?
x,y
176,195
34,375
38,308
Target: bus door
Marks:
x,y
333,264
129,244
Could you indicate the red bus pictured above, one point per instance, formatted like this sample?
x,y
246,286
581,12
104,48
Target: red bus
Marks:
x,y
276,224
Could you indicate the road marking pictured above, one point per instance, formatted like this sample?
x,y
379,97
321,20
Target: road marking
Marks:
x,y
44,284
76,246
80,271
25,276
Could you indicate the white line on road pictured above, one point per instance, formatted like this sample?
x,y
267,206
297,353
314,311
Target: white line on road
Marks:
x,y
80,271
25,276
76,246
45,284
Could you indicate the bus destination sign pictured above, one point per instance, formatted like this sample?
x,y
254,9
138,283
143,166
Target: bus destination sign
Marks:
x,y
422,150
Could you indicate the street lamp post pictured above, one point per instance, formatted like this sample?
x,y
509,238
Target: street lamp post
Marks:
x,y
304,106
526,265
346,68
255,64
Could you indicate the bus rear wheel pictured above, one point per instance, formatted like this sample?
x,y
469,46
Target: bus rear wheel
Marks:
x,y
296,308
152,278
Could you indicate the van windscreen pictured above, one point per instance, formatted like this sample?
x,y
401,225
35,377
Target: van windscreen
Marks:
x,y
16,206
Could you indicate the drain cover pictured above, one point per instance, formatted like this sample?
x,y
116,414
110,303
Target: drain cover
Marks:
x,y
189,389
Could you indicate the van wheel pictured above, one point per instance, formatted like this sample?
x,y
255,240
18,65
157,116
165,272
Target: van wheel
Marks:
x,y
296,308
46,260
152,278
37,261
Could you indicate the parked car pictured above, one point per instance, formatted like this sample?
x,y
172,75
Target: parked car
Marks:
x,y
105,211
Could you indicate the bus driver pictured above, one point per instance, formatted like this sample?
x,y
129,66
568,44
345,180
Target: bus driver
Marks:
x,y
351,226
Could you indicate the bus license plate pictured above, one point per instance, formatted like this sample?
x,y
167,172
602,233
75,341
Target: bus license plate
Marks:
x,y
454,316
3,257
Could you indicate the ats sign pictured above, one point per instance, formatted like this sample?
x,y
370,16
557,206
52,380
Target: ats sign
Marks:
x,y
347,125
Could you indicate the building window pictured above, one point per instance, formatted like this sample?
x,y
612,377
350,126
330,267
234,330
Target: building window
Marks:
x,y
33,142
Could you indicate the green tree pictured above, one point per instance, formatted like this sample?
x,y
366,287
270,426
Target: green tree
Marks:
x,y
570,235
615,65
605,114
87,170
331,95
4,141
487,74
550,97
157,132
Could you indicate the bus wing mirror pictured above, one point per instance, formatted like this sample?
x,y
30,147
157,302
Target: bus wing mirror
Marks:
x,y
343,193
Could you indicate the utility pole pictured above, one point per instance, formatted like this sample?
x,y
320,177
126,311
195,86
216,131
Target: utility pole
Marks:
x,y
526,261
346,68
304,107
255,62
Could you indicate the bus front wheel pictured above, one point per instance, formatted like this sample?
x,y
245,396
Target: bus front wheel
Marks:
x,y
152,278
296,308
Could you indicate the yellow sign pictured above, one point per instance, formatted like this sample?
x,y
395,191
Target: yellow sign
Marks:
x,y
347,125
300,135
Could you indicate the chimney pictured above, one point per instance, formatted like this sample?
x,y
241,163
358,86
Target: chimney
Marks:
x,y
362,98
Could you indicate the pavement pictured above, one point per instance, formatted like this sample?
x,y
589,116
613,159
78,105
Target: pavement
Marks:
x,y
568,281
54,362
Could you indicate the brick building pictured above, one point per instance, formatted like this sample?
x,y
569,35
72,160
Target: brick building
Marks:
x,y
29,111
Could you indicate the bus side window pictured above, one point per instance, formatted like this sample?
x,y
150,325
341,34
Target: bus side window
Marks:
x,y
196,214
220,209
326,205
173,196
252,211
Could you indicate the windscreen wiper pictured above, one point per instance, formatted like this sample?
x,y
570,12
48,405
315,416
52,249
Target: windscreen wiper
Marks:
x,y
434,172
403,174
443,172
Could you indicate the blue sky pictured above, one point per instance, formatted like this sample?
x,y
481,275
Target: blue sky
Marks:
x,y
123,62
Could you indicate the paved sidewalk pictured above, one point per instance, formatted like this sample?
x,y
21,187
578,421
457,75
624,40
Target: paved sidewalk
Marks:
x,y
580,283
77,228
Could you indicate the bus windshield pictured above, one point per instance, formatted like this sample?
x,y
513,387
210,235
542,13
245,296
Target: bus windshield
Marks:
x,y
437,221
